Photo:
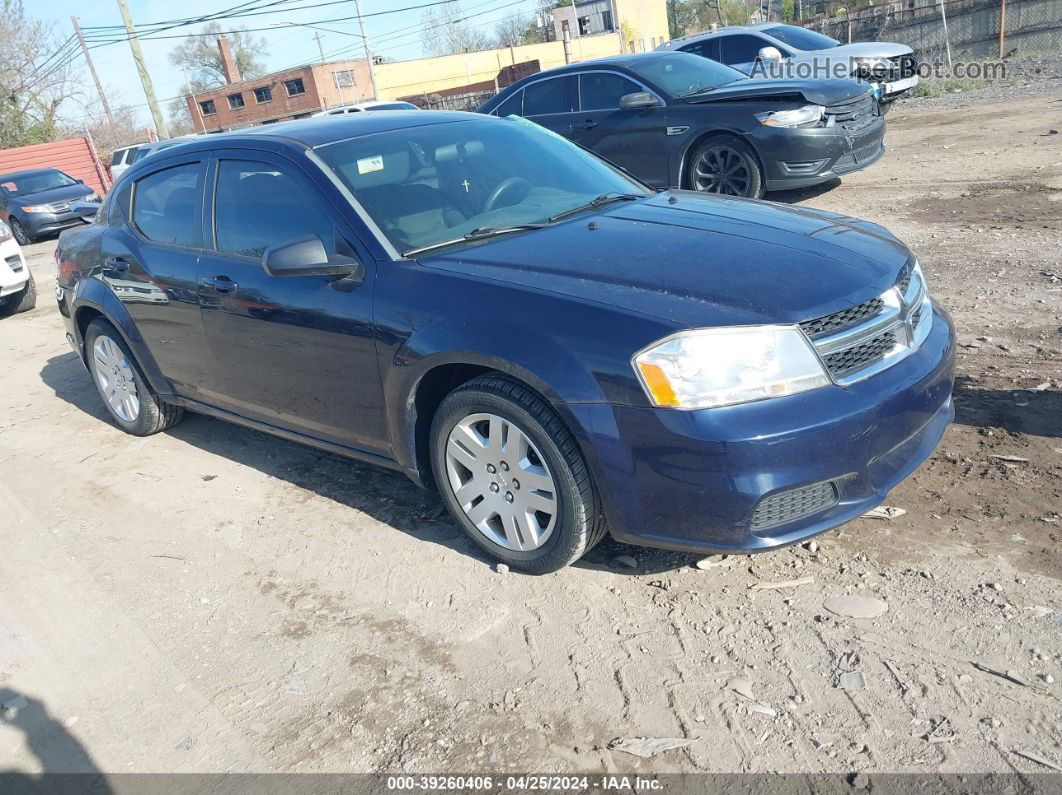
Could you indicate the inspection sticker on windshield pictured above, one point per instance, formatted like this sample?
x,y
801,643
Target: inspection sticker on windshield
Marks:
x,y
367,165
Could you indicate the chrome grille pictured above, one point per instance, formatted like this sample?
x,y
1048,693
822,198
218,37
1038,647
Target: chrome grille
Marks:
x,y
862,340
855,114
903,66
788,506
59,207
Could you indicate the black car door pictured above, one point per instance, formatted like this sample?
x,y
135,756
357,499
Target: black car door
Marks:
x,y
550,103
148,255
292,351
634,139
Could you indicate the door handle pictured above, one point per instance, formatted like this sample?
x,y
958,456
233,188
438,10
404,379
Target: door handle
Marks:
x,y
116,265
222,284
589,124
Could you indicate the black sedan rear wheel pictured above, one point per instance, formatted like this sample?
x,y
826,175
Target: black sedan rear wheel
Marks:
x,y
726,165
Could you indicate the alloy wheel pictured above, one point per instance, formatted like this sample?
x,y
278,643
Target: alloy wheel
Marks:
x,y
501,481
20,234
115,377
722,170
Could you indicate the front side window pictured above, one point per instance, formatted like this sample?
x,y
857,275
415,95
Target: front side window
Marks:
x,y
548,96
681,74
295,87
236,101
602,90
708,48
166,205
741,48
439,182
513,106
208,107
263,94
258,205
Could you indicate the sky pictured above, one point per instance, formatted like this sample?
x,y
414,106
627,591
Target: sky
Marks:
x,y
395,35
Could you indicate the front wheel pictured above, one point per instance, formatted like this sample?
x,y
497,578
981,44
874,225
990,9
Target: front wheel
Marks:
x,y
728,166
19,232
512,476
132,403
23,301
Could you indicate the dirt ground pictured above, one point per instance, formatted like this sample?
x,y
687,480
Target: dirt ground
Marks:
x,y
214,599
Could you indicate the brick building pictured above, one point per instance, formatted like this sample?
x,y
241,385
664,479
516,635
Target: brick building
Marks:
x,y
289,94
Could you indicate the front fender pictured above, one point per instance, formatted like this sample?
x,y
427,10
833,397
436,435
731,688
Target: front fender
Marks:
x,y
93,296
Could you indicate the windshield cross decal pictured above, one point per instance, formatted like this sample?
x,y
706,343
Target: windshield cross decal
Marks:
x,y
466,183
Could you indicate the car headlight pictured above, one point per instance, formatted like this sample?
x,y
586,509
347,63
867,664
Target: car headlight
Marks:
x,y
809,114
872,66
37,208
704,368
92,197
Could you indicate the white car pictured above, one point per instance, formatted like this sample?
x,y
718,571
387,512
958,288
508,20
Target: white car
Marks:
x,y
123,158
363,106
18,291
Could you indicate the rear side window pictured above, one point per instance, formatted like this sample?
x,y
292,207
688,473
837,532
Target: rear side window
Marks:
x,y
166,205
548,96
513,106
602,90
258,205
119,157
742,48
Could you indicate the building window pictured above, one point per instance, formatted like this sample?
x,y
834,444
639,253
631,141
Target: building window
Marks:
x,y
344,79
208,107
584,26
263,94
295,87
235,101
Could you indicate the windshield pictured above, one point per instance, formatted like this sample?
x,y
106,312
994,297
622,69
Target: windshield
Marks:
x,y
801,39
682,74
425,185
36,183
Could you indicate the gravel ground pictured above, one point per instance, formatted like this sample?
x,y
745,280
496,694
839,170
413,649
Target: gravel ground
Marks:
x,y
214,599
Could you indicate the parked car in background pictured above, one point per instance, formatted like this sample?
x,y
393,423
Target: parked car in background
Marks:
x,y
38,202
145,150
673,119
360,107
18,291
556,348
122,159
783,49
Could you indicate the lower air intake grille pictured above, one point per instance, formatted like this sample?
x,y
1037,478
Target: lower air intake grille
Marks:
x,y
857,357
788,506
14,262
846,318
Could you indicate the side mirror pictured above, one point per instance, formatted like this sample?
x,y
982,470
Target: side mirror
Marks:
x,y
770,54
307,256
638,101
79,181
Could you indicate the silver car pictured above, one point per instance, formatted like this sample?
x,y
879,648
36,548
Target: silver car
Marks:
x,y
792,51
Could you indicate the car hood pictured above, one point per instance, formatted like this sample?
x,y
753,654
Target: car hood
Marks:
x,y
863,49
66,193
694,259
819,92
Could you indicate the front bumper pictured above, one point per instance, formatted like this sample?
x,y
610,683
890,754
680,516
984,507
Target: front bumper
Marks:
x,y
46,223
798,157
692,480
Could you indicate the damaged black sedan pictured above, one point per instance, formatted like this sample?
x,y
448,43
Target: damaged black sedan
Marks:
x,y
676,120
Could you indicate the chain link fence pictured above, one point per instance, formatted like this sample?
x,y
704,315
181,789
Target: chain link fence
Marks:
x,y
954,30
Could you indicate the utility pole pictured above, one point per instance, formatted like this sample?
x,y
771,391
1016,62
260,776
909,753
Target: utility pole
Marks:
x,y
145,78
320,47
368,55
92,70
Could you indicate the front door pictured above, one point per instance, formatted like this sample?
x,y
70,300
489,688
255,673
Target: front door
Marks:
x,y
633,139
293,351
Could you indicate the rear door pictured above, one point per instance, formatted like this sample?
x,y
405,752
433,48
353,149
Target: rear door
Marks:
x,y
149,253
293,351
551,103
633,139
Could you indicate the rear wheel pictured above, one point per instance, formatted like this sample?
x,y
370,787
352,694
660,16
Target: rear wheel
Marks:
x,y
132,403
23,301
19,232
513,477
728,166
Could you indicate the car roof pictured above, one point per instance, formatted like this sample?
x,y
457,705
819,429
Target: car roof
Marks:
x,y
622,61
752,28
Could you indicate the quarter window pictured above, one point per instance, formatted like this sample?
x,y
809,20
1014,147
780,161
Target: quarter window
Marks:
x,y
236,101
258,205
602,90
166,206
513,106
295,87
548,96
263,94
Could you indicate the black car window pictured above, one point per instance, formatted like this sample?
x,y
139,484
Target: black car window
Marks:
x,y
706,48
742,48
548,96
602,90
513,106
166,205
258,205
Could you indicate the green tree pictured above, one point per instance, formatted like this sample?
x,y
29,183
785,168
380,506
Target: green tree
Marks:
x,y
788,11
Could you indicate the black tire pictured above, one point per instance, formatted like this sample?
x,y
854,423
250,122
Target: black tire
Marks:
x,y
23,301
154,414
22,237
730,151
580,523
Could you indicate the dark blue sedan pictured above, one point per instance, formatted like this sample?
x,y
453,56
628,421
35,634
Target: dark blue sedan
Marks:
x,y
561,352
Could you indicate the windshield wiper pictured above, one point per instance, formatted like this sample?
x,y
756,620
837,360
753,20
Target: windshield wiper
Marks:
x,y
479,233
700,90
597,201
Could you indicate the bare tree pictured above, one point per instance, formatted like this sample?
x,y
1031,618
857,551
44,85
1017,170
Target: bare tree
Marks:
x,y
35,77
200,58
514,30
447,33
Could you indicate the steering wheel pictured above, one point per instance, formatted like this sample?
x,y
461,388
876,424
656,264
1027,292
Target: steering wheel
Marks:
x,y
506,186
